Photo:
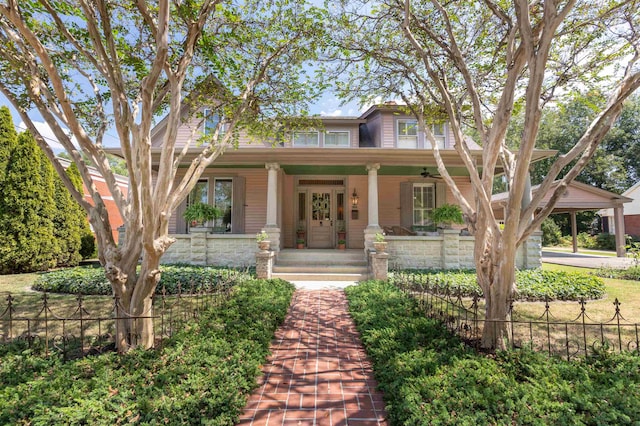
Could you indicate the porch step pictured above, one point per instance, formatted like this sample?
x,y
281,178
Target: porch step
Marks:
x,y
321,265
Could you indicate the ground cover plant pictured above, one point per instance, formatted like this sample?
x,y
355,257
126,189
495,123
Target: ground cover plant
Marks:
x,y
431,377
92,281
201,375
532,284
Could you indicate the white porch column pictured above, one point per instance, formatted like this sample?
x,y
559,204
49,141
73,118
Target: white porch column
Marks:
x,y
618,219
373,226
272,194
271,227
373,194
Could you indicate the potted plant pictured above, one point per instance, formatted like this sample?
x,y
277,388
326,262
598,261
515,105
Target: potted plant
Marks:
x,y
262,238
342,244
379,243
199,213
300,243
300,233
342,233
447,214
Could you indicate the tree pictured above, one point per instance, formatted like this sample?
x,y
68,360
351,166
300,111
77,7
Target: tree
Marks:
x,y
26,211
86,65
68,226
477,63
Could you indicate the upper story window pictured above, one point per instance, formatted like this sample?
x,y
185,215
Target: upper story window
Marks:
x,y
439,131
407,133
336,139
211,120
302,139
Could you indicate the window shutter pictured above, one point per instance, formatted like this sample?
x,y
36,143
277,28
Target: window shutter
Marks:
x,y
441,194
181,224
237,209
406,205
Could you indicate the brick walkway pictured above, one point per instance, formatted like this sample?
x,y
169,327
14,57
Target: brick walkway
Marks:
x,y
318,372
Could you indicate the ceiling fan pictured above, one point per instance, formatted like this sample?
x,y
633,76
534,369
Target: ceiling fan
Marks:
x,y
427,174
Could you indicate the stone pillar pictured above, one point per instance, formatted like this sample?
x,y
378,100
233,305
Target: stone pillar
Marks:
x,y
618,218
199,245
450,249
373,226
264,264
379,265
271,227
530,252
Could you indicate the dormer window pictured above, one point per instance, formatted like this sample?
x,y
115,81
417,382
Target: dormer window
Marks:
x,y
439,134
336,139
407,133
211,120
306,139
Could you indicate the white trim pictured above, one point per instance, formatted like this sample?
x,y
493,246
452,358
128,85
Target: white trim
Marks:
x,y
431,185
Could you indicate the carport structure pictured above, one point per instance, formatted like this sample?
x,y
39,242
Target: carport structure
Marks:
x,y
578,197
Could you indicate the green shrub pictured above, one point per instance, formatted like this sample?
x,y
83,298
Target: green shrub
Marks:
x,y
605,241
551,234
532,284
202,375
430,377
631,273
92,280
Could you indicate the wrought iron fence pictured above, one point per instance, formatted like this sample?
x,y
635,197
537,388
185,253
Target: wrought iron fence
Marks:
x,y
83,330
544,332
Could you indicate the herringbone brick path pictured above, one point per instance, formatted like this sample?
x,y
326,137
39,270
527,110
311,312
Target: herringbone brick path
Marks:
x,y
318,372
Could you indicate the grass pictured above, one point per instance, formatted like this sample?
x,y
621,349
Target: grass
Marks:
x,y
560,249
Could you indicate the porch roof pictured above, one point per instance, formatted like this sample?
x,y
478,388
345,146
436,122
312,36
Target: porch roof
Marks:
x,y
578,197
339,160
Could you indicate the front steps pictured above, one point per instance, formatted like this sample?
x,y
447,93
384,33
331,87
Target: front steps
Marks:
x,y
321,265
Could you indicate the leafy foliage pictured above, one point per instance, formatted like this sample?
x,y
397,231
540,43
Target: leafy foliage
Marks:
x,y
631,273
92,281
531,284
201,375
551,234
430,377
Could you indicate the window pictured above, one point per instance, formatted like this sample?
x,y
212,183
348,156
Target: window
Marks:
x,y
223,199
424,196
336,139
211,120
407,133
200,192
439,131
305,139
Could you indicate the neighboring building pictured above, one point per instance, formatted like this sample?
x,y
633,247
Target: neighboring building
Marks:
x,y
361,175
631,214
115,219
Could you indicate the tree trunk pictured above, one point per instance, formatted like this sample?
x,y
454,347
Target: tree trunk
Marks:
x,y
496,277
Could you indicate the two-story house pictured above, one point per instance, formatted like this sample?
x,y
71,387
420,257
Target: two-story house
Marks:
x,y
359,175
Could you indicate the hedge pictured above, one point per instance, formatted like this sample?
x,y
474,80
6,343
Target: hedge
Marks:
x,y
92,280
532,284
429,377
202,375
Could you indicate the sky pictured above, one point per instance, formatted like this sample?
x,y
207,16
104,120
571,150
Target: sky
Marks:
x,y
327,105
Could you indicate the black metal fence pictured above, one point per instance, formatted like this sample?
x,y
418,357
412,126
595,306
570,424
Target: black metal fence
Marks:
x,y
543,332
75,328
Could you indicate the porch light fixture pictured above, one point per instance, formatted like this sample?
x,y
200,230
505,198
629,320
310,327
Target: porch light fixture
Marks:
x,y
354,200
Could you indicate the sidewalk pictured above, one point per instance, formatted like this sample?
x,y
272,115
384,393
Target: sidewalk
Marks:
x,y
318,372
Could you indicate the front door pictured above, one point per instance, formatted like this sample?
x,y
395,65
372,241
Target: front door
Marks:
x,y
321,222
